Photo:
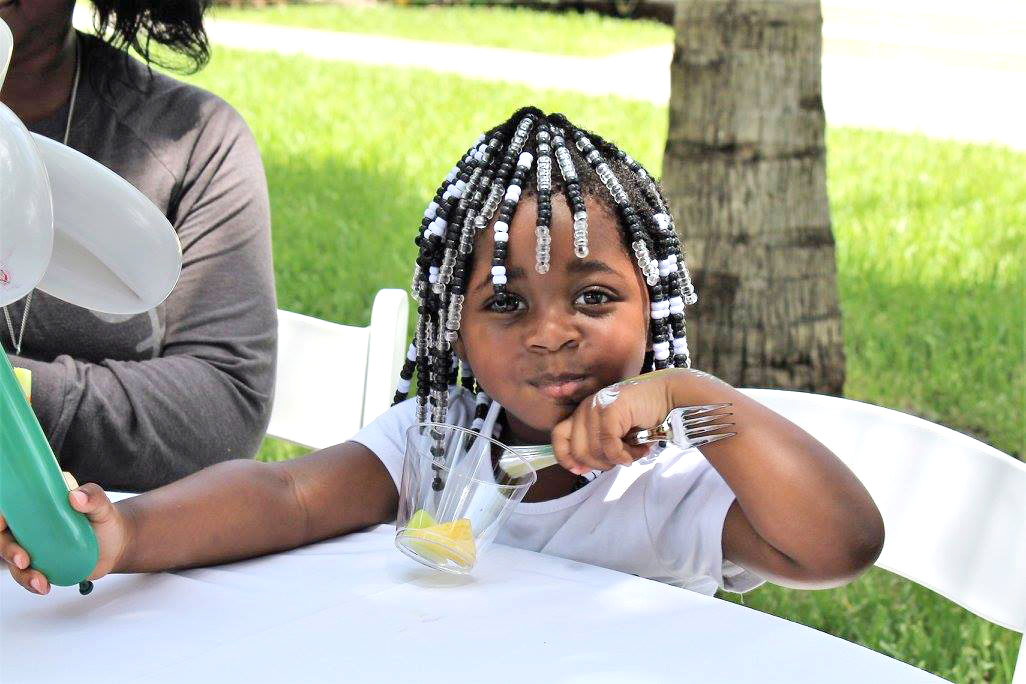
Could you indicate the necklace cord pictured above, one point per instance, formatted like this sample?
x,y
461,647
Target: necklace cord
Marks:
x,y
16,341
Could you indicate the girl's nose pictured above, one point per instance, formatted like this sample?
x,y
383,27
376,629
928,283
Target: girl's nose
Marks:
x,y
552,329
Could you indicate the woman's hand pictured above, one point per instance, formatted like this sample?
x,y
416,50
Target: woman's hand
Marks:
x,y
109,525
593,436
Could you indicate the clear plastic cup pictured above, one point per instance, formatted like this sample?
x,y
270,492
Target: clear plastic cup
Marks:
x,y
454,497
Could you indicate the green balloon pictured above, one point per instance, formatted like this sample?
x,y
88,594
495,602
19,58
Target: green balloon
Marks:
x,y
33,495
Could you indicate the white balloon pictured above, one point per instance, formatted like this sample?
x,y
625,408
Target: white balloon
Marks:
x,y
113,250
74,228
6,48
26,213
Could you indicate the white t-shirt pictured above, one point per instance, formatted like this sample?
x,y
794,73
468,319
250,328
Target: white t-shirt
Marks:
x,y
660,518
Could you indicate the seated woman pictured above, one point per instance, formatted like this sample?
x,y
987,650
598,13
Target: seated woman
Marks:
x,y
137,402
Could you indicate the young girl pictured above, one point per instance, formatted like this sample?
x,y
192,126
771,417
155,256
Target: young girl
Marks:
x,y
549,279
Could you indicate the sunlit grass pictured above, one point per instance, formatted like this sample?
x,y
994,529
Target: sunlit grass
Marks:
x,y
901,619
584,34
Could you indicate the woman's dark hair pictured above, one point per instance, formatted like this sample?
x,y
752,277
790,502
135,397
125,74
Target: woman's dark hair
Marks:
x,y
144,26
485,185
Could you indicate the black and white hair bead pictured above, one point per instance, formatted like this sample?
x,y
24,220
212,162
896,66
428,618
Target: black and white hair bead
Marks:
x,y
484,188
543,190
572,190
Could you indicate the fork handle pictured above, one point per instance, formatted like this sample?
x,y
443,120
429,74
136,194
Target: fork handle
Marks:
x,y
659,433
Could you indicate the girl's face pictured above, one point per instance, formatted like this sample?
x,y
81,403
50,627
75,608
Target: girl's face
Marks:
x,y
563,335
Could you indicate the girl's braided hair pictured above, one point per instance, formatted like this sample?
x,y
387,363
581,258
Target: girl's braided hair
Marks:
x,y
487,183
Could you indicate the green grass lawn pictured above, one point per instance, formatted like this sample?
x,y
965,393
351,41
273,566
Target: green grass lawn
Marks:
x,y
902,619
929,250
584,34
932,279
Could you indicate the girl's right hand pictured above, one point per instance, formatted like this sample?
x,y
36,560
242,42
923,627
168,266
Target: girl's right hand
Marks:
x,y
109,525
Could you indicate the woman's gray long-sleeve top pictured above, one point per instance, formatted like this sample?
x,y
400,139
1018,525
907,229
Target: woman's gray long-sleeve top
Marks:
x,y
135,402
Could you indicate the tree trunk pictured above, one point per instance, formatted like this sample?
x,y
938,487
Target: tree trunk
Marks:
x,y
745,173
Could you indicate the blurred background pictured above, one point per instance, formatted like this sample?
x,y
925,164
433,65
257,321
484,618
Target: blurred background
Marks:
x,y
361,107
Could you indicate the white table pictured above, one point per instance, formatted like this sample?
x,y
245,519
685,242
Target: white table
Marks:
x,y
354,609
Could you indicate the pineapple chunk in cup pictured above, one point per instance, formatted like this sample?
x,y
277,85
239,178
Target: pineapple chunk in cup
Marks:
x,y
454,497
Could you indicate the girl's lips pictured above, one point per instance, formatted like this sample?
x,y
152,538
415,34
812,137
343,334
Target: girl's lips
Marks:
x,y
563,389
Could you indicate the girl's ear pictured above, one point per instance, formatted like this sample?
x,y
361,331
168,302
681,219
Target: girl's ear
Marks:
x,y
458,349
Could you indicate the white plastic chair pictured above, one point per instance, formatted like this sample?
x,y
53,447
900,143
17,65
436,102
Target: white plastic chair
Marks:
x,y
954,508
333,379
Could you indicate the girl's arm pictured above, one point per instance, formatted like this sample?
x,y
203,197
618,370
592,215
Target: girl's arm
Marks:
x,y
226,512
241,509
801,518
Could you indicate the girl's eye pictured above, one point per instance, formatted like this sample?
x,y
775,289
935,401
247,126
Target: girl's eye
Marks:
x,y
511,304
592,298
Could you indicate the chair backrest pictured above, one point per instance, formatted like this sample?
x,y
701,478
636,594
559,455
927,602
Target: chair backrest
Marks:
x,y
333,379
954,508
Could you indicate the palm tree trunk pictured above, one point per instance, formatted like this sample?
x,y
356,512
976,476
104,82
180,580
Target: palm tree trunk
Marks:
x,y
745,172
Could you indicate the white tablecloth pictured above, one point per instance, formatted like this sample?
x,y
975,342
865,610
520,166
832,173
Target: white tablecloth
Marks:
x,y
354,609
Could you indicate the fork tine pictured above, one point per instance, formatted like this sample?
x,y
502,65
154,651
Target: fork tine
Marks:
x,y
688,422
704,408
701,430
709,439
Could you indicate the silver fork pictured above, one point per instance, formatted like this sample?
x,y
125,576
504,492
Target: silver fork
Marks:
x,y
686,426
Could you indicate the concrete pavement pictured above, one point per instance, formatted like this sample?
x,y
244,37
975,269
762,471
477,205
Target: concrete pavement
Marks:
x,y
937,67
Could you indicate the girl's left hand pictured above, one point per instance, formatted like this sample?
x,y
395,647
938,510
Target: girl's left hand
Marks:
x,y
592,438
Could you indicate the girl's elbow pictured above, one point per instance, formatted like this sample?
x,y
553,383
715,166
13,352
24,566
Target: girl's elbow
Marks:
x,y
864,550
867,545
852,552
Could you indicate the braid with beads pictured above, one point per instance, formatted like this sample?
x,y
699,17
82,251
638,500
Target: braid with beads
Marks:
x,y
488,183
